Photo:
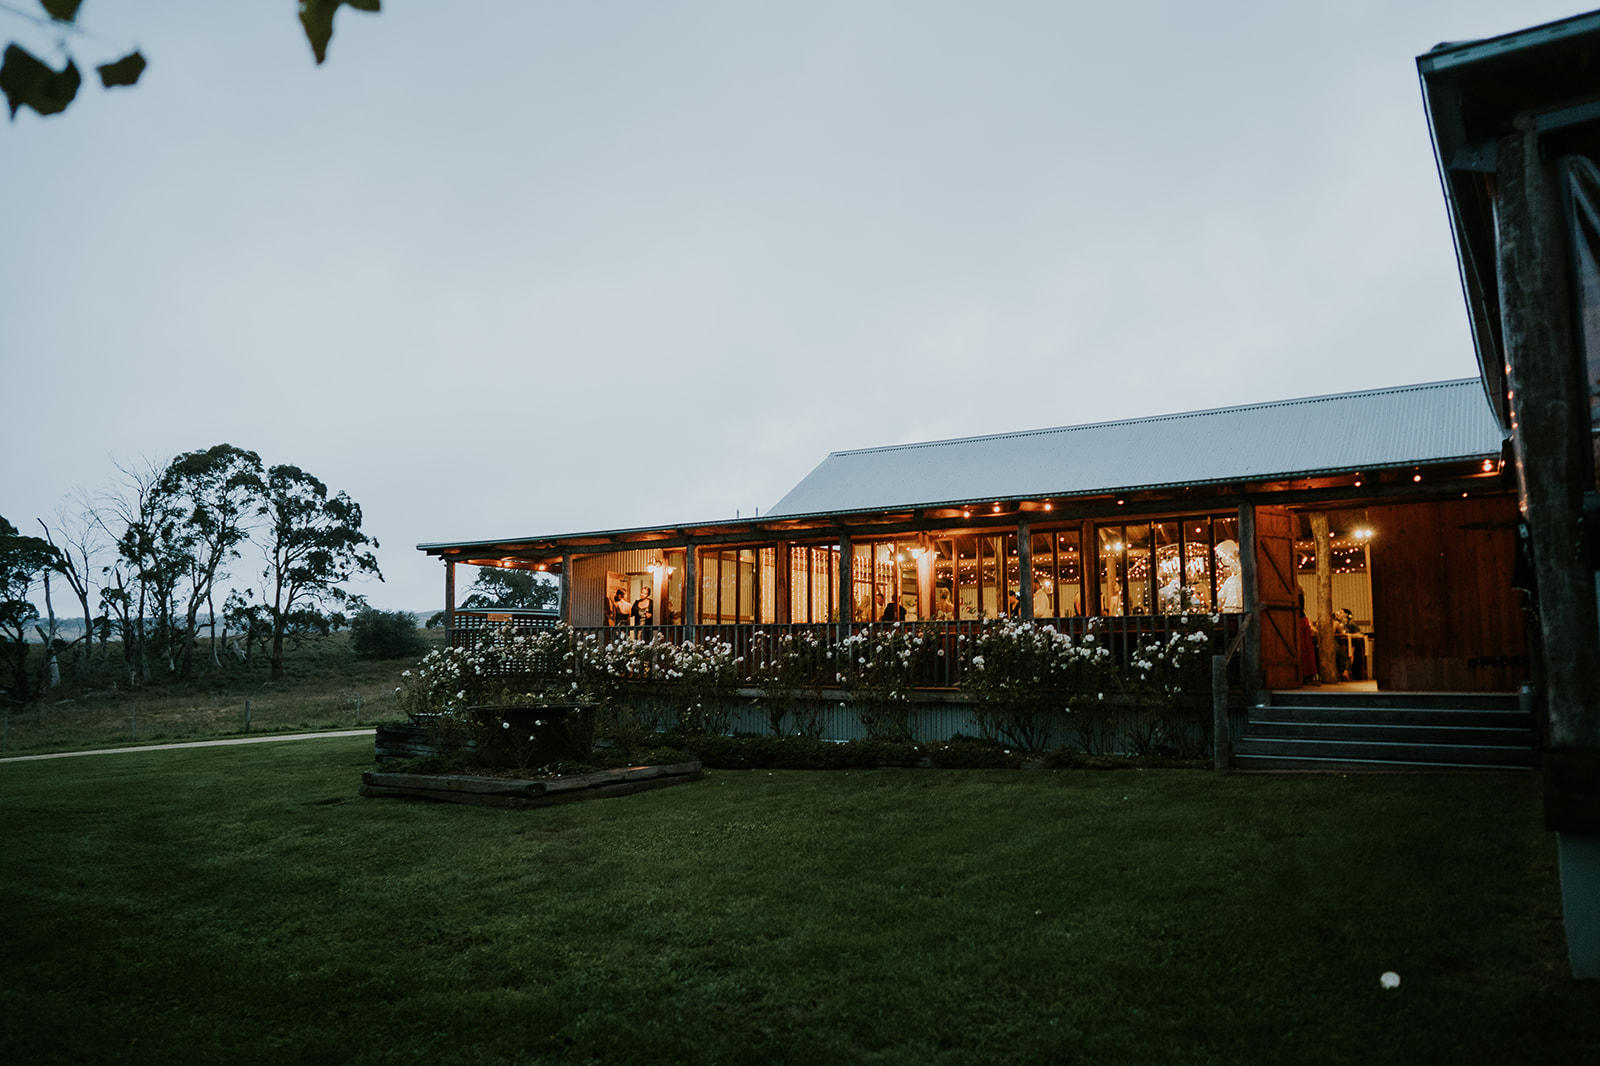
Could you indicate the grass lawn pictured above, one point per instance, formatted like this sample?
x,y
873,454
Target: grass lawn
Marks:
x,y
244,905
325,686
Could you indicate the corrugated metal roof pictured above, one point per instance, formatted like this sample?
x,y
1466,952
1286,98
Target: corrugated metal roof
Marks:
x,y
1368,430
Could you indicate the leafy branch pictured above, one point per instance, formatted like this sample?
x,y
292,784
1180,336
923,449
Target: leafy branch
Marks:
x,y
29,81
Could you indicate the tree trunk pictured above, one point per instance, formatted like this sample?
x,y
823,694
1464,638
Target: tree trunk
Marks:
x,y
1322,619
277,651
143,640
211,609
52,665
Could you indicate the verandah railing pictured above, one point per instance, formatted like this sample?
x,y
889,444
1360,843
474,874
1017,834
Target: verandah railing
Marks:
x,y
939,668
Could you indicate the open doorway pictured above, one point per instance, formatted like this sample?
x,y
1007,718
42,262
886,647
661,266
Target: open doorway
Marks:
x,y
1349,623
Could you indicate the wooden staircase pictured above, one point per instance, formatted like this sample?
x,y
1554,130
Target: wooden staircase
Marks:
x,y
1379,731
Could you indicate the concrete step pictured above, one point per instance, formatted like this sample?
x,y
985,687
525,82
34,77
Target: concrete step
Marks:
x,y
1513,734
1332,764
1395,716
1463,701
1371,751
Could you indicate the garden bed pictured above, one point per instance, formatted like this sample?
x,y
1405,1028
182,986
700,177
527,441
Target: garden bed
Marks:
x,y
519,793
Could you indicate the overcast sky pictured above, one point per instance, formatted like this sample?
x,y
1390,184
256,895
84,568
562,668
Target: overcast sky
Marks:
x,y
510,268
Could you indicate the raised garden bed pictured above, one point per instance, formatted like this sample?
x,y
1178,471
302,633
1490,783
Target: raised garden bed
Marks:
x,y
519,792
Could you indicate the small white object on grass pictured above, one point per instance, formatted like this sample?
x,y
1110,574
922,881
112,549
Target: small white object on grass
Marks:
x,y
1390,980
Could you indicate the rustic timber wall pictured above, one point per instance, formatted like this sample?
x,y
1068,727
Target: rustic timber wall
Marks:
x,y
1444,615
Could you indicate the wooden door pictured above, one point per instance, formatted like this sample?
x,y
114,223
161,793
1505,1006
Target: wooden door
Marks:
x,y
1445,617
1278,596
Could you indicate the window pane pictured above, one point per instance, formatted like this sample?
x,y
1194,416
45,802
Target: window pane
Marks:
x,y
1113,558
746,591
1069,574
673,594
768,583
991,571
967,571
1042,582
944,580
1169,567
1140,569
1230,575
1197,560
706,594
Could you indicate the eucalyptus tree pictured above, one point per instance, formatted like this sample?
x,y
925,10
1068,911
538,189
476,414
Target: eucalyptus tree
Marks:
x,y
215,495
23,559
80,543
313,544
138,587
495,587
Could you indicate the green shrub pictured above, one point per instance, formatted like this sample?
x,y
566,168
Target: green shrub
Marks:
x,y
972,753
386,635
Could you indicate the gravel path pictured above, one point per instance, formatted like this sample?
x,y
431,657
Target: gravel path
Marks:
x,y
196,744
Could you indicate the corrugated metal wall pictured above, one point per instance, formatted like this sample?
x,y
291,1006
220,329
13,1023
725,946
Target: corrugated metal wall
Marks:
x,y
1349,590
588,581
932,723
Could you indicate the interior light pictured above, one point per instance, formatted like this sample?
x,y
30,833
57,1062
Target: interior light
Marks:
x,y
1047,505
1488,465
1416,477
997,508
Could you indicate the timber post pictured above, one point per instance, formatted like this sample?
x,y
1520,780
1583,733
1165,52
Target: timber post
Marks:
x,y
1249,587
449,595
565,590
1221,742
782,583
847,603
1550,427
1555,469
1327,658
691,588
1024,572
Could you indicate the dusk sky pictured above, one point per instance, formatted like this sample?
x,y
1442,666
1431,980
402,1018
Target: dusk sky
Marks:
x,y
504,269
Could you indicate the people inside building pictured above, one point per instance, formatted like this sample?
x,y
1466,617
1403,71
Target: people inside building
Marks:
x,y
1230,593
1042,607
890,611
1308,645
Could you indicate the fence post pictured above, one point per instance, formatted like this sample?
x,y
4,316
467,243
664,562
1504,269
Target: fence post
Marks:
x,y
247,714
1220,741
133,722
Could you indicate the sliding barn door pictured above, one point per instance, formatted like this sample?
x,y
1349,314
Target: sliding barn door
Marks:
x,y
1277,592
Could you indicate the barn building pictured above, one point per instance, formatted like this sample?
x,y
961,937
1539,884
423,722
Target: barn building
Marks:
x,y
1391,504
